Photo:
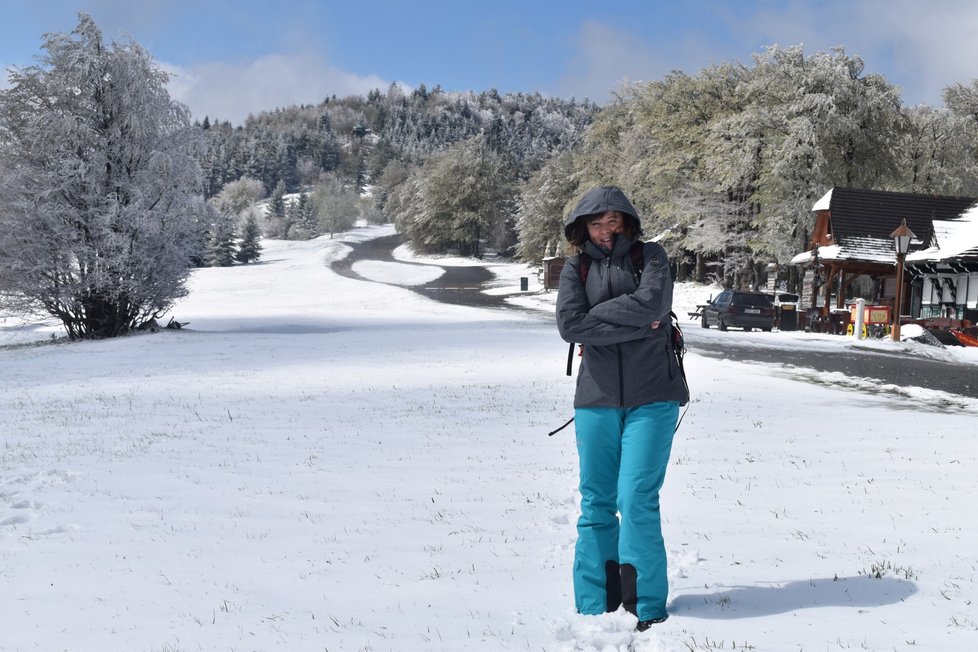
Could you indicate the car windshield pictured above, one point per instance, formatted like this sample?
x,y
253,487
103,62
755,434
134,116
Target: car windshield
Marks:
x,y
750,300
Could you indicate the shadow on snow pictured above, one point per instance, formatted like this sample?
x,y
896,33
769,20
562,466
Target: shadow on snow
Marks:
x,y
758,601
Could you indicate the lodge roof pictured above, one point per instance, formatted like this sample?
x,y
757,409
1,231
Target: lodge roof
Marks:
x,y
861,221
953,240
874,214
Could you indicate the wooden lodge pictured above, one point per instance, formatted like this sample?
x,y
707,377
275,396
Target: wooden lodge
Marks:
x,y
852,244
944,273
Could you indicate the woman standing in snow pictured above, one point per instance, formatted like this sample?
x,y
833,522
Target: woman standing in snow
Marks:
x,y
614,298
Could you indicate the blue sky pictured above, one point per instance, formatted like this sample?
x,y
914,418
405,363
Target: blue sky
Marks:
x,y
232,58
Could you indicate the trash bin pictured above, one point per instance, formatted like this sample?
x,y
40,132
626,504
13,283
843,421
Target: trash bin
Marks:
x,y
787,317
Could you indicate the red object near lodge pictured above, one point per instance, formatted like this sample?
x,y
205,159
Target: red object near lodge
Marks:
x,y
964,338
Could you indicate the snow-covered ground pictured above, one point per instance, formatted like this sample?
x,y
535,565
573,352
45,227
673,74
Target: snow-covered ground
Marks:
x,y
321,463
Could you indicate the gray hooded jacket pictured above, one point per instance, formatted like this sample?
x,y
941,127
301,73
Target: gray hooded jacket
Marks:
x,y
626,362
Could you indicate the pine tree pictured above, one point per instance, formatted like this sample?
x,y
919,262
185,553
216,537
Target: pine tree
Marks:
x,y
220,243
302,223
276,215
249,247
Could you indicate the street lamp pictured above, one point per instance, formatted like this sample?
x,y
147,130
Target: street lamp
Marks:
x,y
901,241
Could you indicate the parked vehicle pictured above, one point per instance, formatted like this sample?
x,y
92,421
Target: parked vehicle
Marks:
x,y
745,310
782,298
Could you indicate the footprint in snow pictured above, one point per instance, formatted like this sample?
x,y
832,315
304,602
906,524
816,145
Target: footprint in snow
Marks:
x,y
14,521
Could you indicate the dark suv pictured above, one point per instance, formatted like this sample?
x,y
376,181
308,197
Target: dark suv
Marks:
x,y
745,310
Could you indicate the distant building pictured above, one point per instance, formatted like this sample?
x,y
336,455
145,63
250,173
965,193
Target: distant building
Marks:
x,y
946,270
851,253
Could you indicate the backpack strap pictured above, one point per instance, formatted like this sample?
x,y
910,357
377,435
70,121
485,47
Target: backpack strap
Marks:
x,y
637,253
584,266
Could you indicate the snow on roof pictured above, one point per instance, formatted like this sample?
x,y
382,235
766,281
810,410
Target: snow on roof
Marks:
x,y
952,238
863,249
803,258
824,203
868,249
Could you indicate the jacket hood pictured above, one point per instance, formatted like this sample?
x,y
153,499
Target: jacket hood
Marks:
x,y
600,200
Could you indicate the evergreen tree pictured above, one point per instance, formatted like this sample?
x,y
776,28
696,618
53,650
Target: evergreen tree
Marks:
x,y
276,214
276,205
220,243
302,223
249,246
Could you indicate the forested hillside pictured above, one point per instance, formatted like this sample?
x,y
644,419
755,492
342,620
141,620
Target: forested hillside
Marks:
x,y
724,164
408,146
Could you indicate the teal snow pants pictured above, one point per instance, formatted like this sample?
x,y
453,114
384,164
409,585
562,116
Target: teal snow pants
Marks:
x,y
623,457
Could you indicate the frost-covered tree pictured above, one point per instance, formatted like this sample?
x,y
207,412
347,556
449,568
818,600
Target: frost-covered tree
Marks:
x,y
938,153
728,161
275,217
203,215
334,207
962,99
249,245
460,198
301,223
98,185
238,195
276,204
959,132
221,248
541,207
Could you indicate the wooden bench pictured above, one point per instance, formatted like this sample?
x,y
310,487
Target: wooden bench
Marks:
x,y
698,313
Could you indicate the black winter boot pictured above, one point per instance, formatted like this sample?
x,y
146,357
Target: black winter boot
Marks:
x,y
612,585
629,588
646,624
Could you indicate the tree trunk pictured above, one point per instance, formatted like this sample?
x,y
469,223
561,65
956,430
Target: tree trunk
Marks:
x,y
700,274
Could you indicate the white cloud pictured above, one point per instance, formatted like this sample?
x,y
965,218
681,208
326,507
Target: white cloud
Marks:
x,y
933,44
606,59
920,46
226,91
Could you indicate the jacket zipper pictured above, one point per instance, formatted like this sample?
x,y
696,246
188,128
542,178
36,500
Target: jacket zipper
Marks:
x,y
621,366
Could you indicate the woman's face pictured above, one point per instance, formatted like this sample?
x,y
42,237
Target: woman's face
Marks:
x,y
602,228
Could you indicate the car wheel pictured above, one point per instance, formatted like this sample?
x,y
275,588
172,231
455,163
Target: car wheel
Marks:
x,y
705,323
722,325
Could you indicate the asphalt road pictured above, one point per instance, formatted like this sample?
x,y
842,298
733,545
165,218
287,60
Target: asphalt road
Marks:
x,y
462,285
458,285
888,368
